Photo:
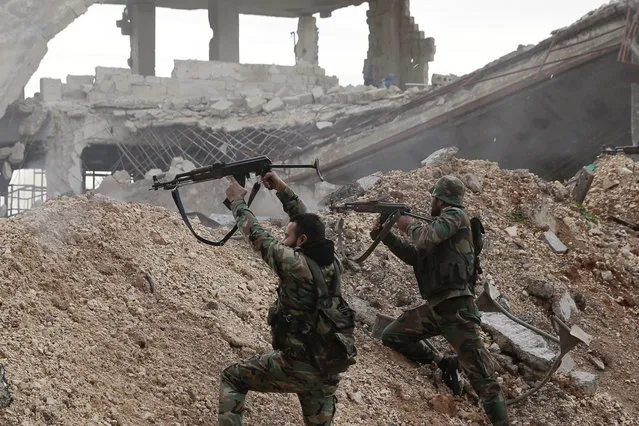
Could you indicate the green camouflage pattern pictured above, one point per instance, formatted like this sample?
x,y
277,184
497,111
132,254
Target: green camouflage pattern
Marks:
x,y
458,321
450,189
277,373
288,369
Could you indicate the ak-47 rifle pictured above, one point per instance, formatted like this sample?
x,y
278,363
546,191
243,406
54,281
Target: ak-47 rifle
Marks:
x,y
389,214
240,170
628,150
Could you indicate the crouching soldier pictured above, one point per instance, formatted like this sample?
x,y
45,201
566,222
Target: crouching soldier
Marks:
x,y
443,259
311,325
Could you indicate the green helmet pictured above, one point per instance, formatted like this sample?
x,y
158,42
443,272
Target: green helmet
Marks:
x,y
450,189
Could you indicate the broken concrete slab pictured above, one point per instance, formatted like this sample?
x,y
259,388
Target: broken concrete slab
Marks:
x,y
273,105
513,338
7,171
255,105
585,381
567,365
221,108
564,307
122,176
440,156
368,182
31,125
511,231
554,242
17,154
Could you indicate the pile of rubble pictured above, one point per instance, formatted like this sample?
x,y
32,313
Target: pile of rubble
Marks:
x,y
112,313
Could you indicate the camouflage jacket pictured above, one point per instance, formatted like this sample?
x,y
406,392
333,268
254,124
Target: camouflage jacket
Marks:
x,y
296,293
441,254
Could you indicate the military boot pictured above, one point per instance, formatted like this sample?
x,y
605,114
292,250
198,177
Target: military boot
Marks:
x,y
449,365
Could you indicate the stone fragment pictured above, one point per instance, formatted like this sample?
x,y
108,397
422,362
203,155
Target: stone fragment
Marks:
x,y
607,276
7,171
609,183
567,364
255,105
587,382
368,182
511,231
221,108
394,89
273,105
298,100
122,176
564,307
323,125
513,338
541,289
364,312
31,125
554,242
334,89
17,154
440,156
472,182
597,363
317,93
119,113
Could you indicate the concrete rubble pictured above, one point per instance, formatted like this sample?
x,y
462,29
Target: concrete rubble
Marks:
x,y
585,381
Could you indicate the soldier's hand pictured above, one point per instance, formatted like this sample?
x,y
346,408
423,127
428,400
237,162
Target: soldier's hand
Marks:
x,y
235,190
271,180
403,222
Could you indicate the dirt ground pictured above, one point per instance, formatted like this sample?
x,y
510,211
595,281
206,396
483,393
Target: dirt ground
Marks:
x,y
112,314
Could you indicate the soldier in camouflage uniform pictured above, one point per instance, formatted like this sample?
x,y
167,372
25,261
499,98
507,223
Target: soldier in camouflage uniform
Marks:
x,y
442,256
290,368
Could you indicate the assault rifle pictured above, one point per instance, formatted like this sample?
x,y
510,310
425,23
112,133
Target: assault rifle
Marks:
x,y
389,214
628,150
240,170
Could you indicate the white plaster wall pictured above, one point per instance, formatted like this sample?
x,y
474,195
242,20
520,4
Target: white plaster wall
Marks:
x,y
26,26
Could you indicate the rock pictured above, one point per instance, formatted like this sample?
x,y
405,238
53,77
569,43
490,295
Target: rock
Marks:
x,y
5,152
17,154
356,397
597,363
122,176
5,393
273,105
607,276
511,231
440,156
364,312
31,125
609,183
554,242
516,339
394,89
587,382
567,364
7,171
564,307
625,171
381,322
368,182
541,289
255,105
317,93
153,172
221,108
321,125
472,182
334,89
444,404
298,100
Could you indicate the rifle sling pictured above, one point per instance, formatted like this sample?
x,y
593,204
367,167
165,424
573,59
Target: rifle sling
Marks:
x,y
178,202
388,225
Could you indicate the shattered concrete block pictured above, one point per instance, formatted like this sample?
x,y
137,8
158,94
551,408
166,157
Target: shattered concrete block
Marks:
x,y
334,90
17,154
317,93
472,182
607,276
368,182
221,108
299,100
440,156
275,104
511,231
7,171
564,307
51,89
255,105
321,125
5,152
516,339
567,364
376,94
31,125
554,242
587,382
541,289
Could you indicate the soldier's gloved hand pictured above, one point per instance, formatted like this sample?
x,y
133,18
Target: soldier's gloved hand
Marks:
x,y
271,180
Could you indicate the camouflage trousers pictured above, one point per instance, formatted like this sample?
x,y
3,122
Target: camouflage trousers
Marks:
x,y
458,321
276,372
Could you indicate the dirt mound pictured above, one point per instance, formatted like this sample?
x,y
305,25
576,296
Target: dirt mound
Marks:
x,y
111,313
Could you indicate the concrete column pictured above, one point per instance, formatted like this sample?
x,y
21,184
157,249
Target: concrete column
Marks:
x,y
224,18
142,15
307,46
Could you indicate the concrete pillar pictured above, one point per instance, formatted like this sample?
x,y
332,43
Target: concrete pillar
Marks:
x,y
307,46
224,18
142,15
